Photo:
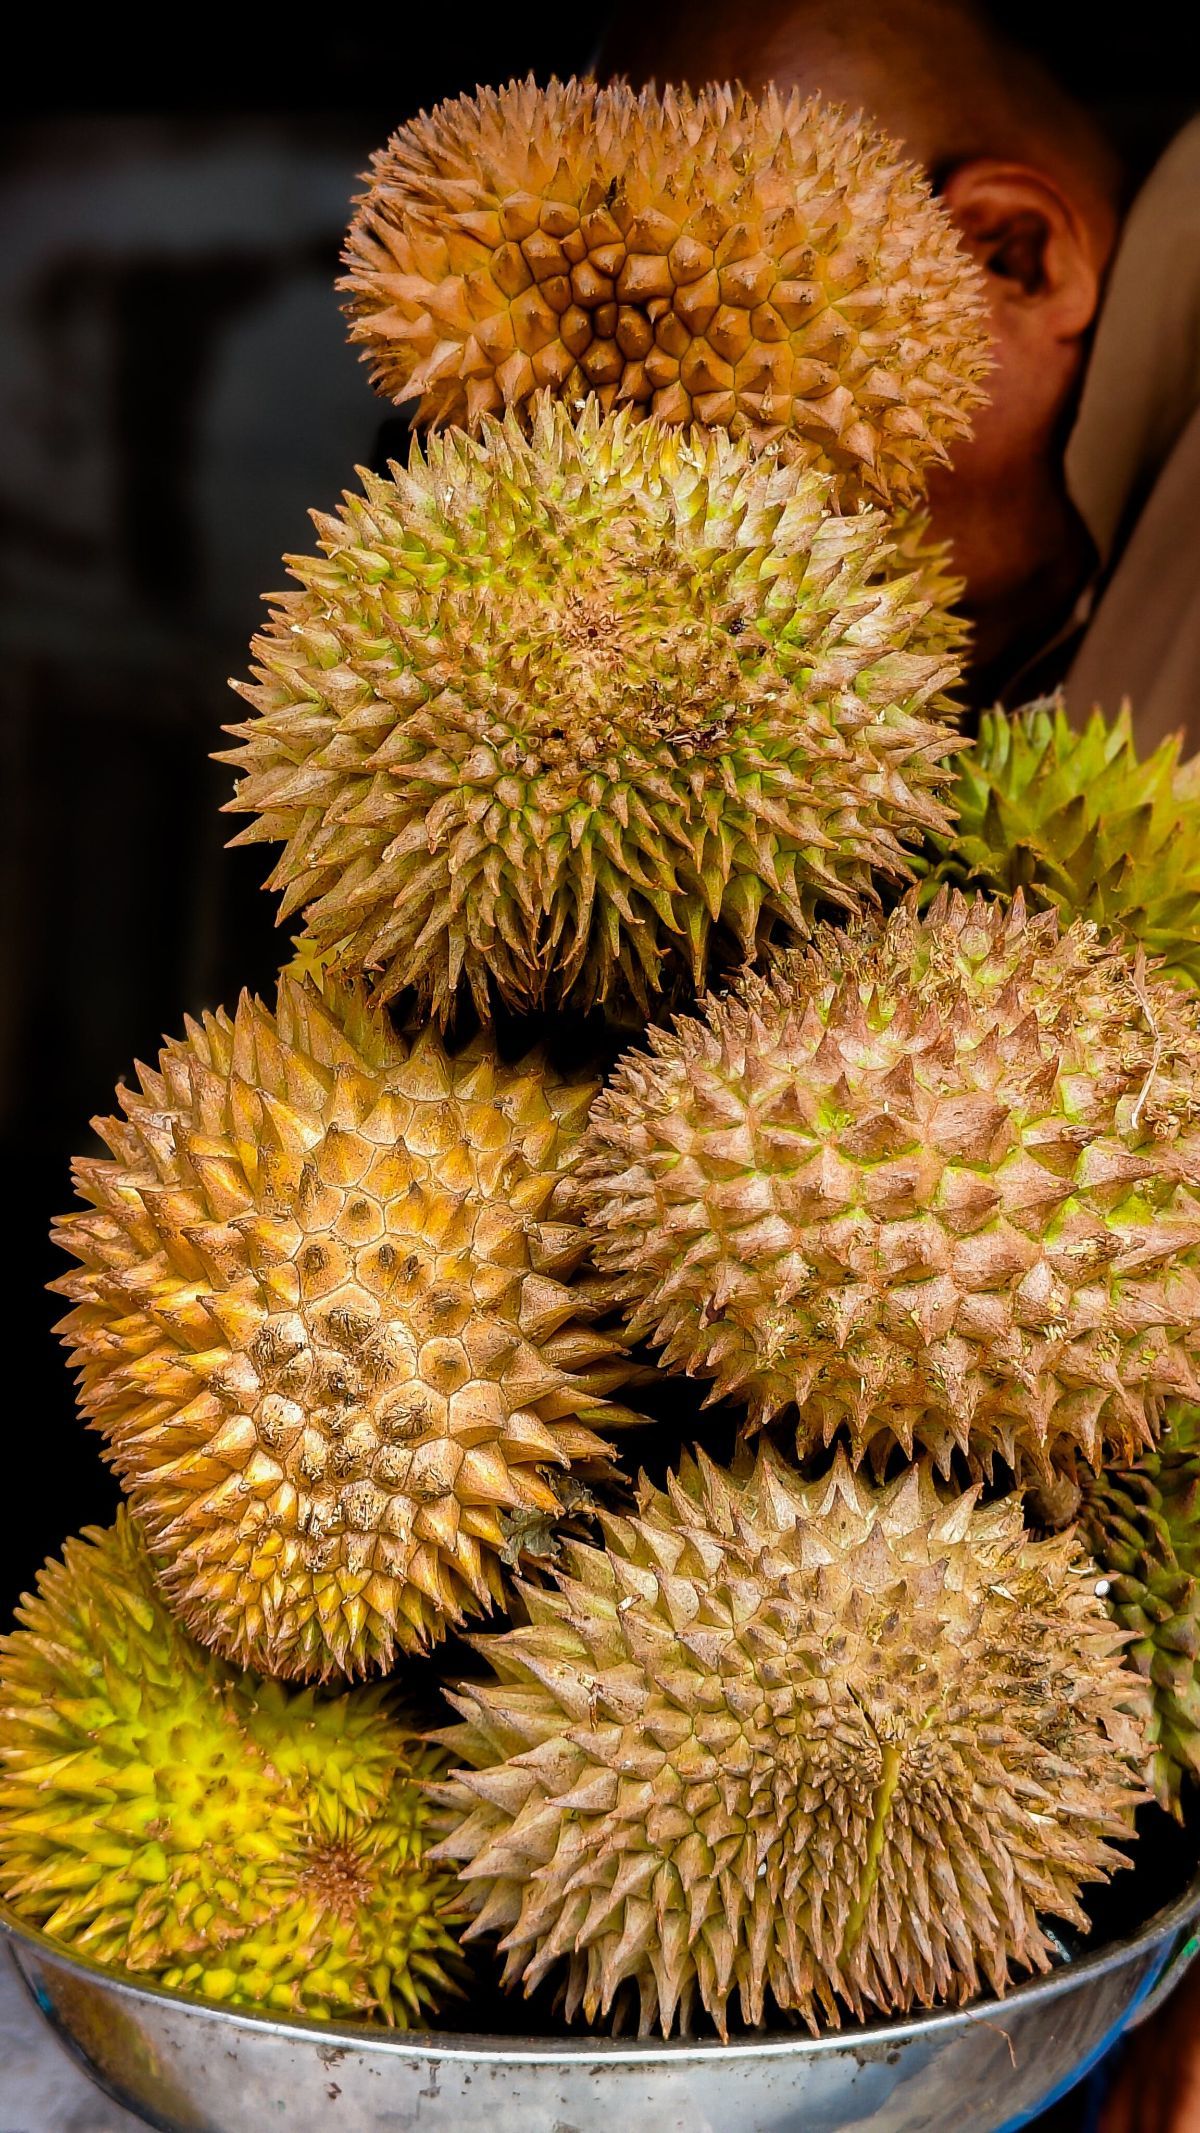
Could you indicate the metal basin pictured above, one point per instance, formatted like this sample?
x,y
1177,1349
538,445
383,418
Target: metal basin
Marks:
x,y
192,2067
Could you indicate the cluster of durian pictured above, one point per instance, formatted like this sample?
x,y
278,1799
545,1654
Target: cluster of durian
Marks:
x,y
630,697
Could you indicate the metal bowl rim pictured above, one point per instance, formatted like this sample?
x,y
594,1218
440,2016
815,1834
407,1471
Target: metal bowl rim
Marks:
x,y
454,2045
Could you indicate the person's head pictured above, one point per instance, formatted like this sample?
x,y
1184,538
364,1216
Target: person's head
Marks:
x,y
1035,191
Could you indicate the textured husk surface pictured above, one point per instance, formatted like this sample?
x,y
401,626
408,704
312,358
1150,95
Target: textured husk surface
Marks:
x,y
934,1185
258,1845
579,716
812,1747
766,265
332,1324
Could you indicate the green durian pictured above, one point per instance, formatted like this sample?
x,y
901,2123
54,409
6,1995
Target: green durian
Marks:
x,y
206,1830
1077,821
1143,1525
573,717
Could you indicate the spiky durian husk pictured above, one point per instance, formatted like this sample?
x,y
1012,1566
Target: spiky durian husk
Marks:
x,y
331,1325
564,716
833,1743
1078,823
762,265
935,1184
1143,1525
252,1844
929,565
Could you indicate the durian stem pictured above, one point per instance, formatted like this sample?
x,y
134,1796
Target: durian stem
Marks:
x,y
889,1774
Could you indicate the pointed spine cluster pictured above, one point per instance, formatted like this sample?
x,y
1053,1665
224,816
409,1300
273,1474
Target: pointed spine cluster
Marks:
x,y
1078,823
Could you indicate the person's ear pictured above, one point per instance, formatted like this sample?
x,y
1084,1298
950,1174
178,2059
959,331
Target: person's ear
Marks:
x,y
1032,242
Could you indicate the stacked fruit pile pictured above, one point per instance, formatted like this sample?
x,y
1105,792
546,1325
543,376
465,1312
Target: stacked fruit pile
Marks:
x,y
620,722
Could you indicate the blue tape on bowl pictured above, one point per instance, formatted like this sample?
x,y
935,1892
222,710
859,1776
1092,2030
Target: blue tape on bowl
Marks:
x,y
1089,2065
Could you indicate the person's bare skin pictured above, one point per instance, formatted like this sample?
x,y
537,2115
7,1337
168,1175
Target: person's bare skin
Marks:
x,y
1035,194
1036,197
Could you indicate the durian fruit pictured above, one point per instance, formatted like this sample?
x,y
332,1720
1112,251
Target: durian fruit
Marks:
x,y
1077,822
332,1325
929,564
762,265
251,1844
936,1184
560,717
1142,1523
832,1743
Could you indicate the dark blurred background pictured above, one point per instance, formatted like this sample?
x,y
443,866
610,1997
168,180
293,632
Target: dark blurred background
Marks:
x,y
175,391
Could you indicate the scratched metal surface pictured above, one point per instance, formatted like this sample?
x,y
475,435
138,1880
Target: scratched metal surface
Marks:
x,y
196,2068
191,2067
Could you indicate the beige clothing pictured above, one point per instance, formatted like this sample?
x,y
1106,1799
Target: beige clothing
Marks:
x,y
1133,463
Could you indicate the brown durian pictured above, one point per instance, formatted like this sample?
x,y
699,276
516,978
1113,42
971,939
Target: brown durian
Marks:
x,y
762,265
332,1325
825,1745
937,1185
